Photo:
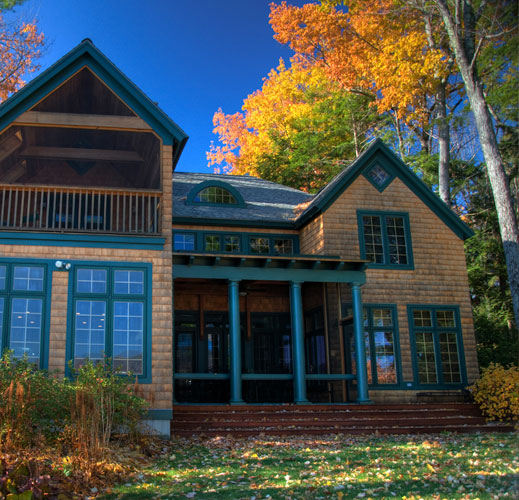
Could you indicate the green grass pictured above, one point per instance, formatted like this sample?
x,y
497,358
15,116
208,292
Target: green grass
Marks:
x,y
444,466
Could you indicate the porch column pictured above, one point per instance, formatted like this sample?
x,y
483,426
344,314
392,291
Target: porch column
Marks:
x,y
360,348
298,341
235,338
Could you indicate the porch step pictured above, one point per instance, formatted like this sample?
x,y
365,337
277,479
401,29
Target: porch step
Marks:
x,y
249,420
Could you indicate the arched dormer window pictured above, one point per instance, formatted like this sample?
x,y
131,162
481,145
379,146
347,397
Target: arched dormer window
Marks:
x,y
215,193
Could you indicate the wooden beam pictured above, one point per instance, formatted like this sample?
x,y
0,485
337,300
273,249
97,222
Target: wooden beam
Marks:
x,y
10,145
80,120
15,172
81,154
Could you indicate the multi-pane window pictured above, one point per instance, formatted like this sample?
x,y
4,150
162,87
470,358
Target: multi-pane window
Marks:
x,y
385,240
22,306
378,176
109,317
231,243
259,245
436,334
283,246
212,243
380,338
215,194
183,242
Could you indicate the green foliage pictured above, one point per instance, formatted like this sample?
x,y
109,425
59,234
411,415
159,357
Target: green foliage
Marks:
x,y
104,402
24,481
10,4
497,392
82,413
33,405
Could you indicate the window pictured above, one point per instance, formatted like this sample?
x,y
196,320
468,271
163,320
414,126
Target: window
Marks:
x,y
231,243
436,336
22,310
184,242
385,239
259,245
283,246
109,317
381,344
212,243
215,194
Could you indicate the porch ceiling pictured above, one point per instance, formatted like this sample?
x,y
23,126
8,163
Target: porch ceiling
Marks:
x,y
322,269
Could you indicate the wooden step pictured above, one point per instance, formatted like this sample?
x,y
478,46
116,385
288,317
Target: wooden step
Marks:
x,y
248,420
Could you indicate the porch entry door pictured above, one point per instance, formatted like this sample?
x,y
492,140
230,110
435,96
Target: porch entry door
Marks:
x,y
267,352
203,352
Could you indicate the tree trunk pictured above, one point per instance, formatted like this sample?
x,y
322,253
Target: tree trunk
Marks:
x,y
443,145
463,45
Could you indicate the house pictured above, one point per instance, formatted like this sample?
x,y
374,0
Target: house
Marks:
x,y
217,289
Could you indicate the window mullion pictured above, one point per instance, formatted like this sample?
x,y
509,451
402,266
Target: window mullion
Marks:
x,y
385,239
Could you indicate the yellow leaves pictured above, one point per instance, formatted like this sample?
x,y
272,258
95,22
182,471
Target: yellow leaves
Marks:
x,y
497,392
379,46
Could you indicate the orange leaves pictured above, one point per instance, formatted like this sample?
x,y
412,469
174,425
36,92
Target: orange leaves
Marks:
x,y
20,46
377,46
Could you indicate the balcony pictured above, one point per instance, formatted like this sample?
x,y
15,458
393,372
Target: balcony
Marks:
x,y
80,210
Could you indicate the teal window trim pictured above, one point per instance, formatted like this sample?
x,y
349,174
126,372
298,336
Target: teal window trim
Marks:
x,y
436,330
110,297
191,197
380,188
8,294
371,328
244,241
385,239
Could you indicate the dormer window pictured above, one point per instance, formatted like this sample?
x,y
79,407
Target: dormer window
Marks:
x,y
215,193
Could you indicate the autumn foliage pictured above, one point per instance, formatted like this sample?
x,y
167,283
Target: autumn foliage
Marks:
x,y
497,392
21,44
380,47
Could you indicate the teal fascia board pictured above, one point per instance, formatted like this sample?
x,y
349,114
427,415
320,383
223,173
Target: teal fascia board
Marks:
x,y
82,240
159,415
86,54
266,274
379,152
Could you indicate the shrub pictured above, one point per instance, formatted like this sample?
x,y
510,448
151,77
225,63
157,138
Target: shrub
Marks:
x,y
497,392
33,405
104,402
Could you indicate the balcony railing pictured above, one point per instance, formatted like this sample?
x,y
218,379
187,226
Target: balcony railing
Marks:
x,y
74,209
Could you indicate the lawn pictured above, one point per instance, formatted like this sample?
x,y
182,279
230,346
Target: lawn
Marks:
x,y
444,466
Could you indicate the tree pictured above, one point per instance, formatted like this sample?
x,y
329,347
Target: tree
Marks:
x,y
386,50
299,129
20,45
463,23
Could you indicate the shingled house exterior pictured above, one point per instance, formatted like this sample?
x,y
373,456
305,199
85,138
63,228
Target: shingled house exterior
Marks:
x,y
210,288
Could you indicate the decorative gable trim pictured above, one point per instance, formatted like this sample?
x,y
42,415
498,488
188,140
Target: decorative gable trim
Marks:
x,y
87,55
379,152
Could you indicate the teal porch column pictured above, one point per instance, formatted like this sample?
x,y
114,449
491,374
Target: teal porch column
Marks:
x,y
235,340
298,341
360,348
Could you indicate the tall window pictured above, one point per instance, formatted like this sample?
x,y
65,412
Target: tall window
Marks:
x,y
436,337
110,312
381,344
385,239
22,310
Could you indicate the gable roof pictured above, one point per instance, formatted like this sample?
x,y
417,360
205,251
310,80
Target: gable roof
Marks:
x,y
378,152
265,203
86,54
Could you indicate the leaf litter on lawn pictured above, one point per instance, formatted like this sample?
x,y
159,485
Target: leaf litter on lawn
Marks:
x,y
444,466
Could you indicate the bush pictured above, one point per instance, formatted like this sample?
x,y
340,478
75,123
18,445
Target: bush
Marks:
x,y
81,413
497,392
104,402
33,406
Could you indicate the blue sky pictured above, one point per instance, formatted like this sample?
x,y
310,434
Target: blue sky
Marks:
x,y
191,57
